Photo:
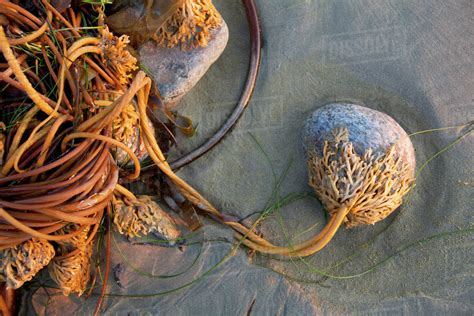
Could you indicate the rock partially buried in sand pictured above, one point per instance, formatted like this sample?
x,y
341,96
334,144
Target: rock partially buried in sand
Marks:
x,y
367,128
359,159
177,71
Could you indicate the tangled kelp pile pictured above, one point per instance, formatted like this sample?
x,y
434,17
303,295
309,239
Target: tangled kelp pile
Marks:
x,y
75,126
64,89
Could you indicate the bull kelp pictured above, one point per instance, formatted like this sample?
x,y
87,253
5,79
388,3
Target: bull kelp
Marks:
x,y
75,131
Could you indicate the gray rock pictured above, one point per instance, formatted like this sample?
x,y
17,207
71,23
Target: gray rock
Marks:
x,y
367,128
177,71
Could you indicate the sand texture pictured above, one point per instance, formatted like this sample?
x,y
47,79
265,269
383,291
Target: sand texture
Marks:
x,y
412,59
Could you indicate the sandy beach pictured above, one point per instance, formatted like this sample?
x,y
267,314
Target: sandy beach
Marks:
x,y
410,59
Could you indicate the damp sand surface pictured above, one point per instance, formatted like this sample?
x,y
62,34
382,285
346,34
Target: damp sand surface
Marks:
x,y
410,59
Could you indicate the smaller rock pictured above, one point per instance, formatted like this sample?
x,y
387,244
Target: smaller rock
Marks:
x,y
176,71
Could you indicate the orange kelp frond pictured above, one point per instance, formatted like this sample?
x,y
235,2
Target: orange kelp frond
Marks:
x,y
116,55
125,130
70,269
141,216
187,23
20,263
374,183
2,142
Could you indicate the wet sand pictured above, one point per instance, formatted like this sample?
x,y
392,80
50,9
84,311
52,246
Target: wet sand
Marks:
x,y
410,59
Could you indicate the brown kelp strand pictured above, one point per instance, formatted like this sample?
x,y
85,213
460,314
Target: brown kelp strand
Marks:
x,y
78,128
58,171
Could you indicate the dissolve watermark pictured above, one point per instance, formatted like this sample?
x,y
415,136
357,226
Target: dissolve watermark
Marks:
x,y
263,113
364,46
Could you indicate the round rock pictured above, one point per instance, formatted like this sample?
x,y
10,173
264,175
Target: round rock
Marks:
x,y
367,128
